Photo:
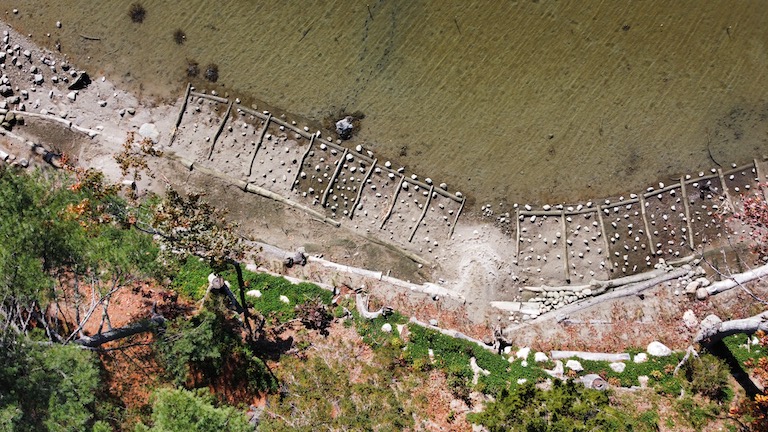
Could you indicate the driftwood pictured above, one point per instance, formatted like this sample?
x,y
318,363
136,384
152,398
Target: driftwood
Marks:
x,y
714,330
142,326
737,280
558,355
361,302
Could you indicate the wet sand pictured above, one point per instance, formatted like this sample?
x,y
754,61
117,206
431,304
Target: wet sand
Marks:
x,y
514,102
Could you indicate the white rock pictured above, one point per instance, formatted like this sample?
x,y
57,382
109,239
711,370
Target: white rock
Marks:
x,y
72,95
702,294
253,293
641,358
658,349
386,328
692,287
522,353
690,320
149,130
521,380
617,367
574,365
284,299
539,357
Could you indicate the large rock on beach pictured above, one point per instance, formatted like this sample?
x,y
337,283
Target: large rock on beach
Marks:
x,y
344,128
149,130
82,81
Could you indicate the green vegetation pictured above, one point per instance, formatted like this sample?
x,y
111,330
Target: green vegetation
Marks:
x,y
208,348
192,411
46,387
568,406
322,392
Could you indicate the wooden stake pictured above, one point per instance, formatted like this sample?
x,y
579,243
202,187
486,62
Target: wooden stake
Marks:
x,y
394,201
725,188
301,162
258,144
517,236
456,219
181,112
647,226
221,128
686,206
760,175
423,213
339,165
210,97
360,188
566,263
605,234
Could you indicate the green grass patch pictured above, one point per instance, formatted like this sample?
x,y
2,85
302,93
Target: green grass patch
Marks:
x,y
741,347
370,330
657,369
191,280
453,356
272,287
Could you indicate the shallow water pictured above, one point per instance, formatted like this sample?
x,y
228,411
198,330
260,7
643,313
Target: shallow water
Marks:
x,y
507,101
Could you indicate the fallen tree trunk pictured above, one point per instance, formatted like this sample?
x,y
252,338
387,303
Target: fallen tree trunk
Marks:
x,y
142,326
713,329
737,280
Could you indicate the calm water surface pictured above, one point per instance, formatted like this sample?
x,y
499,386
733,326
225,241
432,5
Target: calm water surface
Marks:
x,y
504,100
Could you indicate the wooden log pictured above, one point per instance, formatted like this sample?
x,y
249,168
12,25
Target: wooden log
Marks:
x,y
713,329
258,144
181,114
738,279
687,206
517,236
647,226
257,190
701,178
625,291
394,201
761,180
456,219
209,97
183,105
360,189
218,132
339,165
737,169
453,334
141,326
565,248
269,194
605,234
423,213
301,162
725,188
593,356
660,191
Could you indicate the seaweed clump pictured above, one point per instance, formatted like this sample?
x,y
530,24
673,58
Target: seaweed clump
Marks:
x,y
212,72
137,13
179,36
193,68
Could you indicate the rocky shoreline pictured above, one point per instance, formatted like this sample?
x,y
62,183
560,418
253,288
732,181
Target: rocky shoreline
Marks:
x,y
472,266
